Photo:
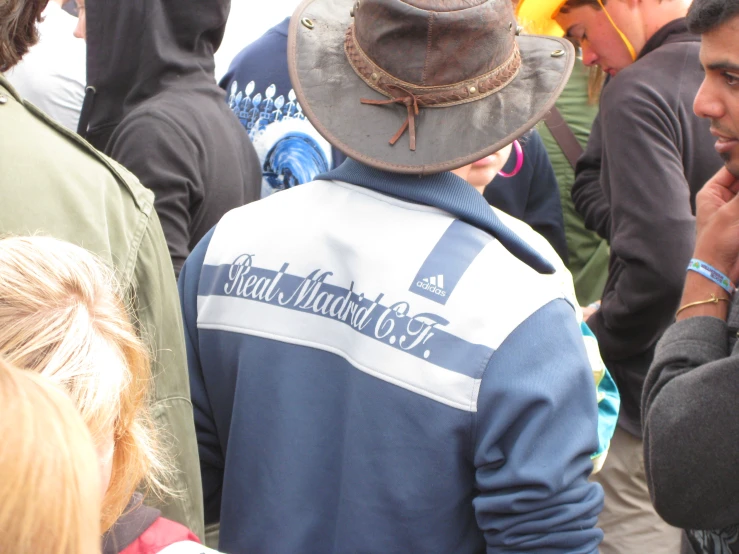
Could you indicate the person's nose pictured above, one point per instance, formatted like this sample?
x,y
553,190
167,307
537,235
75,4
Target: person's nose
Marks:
x,y
589,57
707,104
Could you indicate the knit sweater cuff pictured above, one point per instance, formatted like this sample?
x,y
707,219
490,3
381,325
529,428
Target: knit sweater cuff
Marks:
x,y
704,339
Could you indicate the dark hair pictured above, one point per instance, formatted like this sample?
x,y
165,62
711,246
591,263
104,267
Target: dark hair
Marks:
x,y
570,4
706,15
18,19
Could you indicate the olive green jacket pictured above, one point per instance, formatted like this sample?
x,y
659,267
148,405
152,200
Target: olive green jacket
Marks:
x,y
588,252
52,182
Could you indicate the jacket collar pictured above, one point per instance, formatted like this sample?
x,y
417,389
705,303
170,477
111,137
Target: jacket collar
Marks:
x,y
136,519
282,27
447,192
675,31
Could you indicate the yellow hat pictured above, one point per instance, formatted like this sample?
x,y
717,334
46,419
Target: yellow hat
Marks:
x,y
537,16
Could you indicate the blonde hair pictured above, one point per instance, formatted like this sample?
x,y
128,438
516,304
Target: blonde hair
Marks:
x,y
50,484
62,315
596,80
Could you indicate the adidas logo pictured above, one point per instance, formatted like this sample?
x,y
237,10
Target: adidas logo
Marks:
x,y
433,284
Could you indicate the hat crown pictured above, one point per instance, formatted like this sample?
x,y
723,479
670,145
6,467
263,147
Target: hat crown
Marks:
x,y
435,42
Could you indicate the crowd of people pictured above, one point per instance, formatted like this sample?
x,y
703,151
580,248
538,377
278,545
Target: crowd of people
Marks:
x,y
414,277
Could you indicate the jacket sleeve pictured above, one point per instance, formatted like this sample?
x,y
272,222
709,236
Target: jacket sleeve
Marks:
x,y
153,149
544,207
690,426
653,228
158,312
209,446
535,430
587,193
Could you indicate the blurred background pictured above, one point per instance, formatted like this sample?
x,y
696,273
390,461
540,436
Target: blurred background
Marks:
x,y
248,21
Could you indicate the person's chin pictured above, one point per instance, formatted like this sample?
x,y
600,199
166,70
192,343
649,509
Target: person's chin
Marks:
x,y
732,165
729,152
481,177
612,71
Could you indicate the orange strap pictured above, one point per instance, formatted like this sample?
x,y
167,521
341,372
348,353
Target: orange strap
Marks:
x,y
627,42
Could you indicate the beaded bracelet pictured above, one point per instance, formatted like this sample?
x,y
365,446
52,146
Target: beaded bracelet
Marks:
x,y
712,274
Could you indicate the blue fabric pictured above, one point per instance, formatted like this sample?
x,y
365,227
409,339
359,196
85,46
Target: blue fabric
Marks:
x,y
446,191
437,277
532,195
259,92
522,437
302,452
264,61
279,424
609,400
451,352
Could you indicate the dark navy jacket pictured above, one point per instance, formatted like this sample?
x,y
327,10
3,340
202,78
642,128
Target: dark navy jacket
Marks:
x,y
532,195
394,367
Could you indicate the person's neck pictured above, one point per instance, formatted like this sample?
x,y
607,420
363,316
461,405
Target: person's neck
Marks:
x,y
464,173
659,14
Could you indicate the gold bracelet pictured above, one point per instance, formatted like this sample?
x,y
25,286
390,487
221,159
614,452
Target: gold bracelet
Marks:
x,y
713,300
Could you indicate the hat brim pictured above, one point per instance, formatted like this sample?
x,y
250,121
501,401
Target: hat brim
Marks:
x,y
329,92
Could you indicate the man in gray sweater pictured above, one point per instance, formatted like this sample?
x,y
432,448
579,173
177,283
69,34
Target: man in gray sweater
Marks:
x,y
690,397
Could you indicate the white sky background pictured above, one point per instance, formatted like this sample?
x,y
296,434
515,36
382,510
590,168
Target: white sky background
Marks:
x,y
249,19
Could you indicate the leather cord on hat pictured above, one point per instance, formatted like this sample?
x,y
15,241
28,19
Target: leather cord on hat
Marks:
x,y
410,101
415,97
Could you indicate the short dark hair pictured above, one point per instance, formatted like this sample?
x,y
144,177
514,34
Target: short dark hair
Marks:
x,y
572,4
706,15
18,32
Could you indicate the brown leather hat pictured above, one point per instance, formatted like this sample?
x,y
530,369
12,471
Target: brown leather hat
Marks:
x,y
421,86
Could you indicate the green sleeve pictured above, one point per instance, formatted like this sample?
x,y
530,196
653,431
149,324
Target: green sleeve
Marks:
x,y
588,253
158,311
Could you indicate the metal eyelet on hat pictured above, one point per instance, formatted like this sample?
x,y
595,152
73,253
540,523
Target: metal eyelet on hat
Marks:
x,y
3,99
558,53
519,30
354,9
308,23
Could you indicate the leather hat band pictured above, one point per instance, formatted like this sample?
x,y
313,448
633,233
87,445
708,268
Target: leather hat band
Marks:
x,y
415,96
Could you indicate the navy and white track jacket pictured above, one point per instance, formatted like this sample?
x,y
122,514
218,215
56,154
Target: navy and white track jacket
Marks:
x,y
377,366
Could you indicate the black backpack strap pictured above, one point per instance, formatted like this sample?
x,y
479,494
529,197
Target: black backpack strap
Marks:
x,y
564,136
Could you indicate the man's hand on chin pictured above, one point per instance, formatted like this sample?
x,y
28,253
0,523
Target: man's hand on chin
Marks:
x,y
717,224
